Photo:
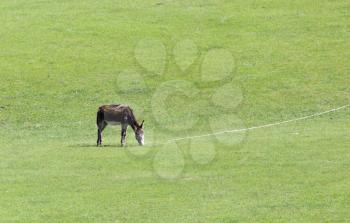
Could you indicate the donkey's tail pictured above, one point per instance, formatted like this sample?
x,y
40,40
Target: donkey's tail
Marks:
x,y
100,116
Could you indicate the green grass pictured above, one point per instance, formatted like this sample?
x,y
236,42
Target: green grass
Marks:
x,y
60,60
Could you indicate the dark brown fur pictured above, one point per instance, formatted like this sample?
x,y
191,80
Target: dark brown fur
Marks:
x,y
118,113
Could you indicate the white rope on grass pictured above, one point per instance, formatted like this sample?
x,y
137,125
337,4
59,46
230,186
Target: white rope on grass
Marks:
x,y
261,126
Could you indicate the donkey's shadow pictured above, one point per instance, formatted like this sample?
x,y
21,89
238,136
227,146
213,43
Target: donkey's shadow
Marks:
x,y
88,145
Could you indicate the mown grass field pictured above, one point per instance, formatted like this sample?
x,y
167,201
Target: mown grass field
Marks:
x,y
60,60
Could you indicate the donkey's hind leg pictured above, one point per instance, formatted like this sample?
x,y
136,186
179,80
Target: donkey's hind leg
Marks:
x,y
100,127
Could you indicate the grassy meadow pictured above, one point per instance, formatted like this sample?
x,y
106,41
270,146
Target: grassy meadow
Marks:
x,y
187,68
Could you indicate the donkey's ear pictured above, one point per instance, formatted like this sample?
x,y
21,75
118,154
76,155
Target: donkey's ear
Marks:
x,y
141,126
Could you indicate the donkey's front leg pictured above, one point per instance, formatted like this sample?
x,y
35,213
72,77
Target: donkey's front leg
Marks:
x,y
123,136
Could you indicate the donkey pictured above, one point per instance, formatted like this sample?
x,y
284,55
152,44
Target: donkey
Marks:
x,y
118,114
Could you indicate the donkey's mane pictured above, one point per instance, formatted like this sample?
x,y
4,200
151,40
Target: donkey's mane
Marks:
x,y
132,118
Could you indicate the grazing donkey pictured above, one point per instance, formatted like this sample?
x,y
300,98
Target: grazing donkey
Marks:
x,y
118,114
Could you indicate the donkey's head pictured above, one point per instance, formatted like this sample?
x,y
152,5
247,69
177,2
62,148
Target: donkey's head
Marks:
x,y
139,134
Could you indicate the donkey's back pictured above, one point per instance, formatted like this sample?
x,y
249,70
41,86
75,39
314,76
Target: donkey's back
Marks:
x,y
114,114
